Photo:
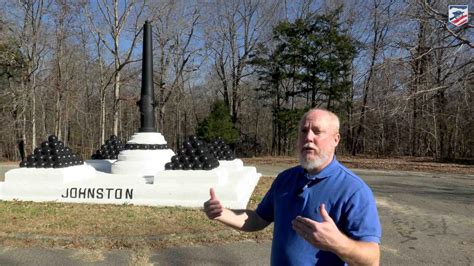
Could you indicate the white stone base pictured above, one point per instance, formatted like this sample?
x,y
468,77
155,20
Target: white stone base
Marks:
x,y
142,162
83,184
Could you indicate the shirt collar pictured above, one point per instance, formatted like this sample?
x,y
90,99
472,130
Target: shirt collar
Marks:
x,y
326,172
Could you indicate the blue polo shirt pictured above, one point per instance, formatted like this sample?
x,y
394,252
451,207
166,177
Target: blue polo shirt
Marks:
x,y
348,200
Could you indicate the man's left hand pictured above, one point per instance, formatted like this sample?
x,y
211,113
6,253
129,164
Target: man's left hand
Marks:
x,y
325,235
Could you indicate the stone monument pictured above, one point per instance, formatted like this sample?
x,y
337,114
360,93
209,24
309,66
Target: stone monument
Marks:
x,y
146,171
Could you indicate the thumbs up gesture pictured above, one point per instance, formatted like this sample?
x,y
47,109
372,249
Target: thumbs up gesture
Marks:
x,y
324,235
213,207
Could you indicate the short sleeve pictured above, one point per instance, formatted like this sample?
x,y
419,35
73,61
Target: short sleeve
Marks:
x,y
266,207
361,217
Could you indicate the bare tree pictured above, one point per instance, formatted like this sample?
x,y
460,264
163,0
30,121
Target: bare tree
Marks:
x,y
233,33
380,24
32,43
177,52
110,21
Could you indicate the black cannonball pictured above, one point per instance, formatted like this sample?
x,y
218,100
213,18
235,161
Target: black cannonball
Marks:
x,y
38,151
52,138
39,157
181,151
54,151
54,144
145,147
30,158
58,165
197,144
44,144
187,144
184,158
187,166
49,165
204,158
60,144
169,166
194,159
189,151
46,150
207,166
31,164
177,166
23,164
197,166
193,138
175,159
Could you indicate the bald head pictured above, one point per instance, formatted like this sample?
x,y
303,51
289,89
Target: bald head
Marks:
x,y
318,137
324,114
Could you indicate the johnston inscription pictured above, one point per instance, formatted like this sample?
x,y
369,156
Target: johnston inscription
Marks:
x,y
98,193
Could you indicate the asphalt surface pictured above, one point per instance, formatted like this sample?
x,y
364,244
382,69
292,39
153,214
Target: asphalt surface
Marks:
x,y
427,219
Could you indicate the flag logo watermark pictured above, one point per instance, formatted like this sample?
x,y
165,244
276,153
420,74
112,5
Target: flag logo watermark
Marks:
x,y
458,14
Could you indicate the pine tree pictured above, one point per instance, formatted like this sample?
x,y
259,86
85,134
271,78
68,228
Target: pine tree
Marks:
x,y
218,125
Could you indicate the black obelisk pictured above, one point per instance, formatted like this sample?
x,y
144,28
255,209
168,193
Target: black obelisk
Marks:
x,y
147,98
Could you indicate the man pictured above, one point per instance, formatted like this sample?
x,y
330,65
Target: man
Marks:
x,y
323,213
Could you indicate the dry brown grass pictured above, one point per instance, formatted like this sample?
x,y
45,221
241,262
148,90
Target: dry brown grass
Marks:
x,y
94,226
403,163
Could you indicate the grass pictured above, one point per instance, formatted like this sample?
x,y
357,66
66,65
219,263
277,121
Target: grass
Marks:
x,y
100,227
94,226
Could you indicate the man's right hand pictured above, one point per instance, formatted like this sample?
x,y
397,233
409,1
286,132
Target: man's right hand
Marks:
x,y
213,207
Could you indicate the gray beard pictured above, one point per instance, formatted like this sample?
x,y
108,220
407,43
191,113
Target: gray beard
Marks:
x,y
314,164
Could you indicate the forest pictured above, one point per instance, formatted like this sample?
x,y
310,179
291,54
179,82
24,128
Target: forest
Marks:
x,y
399,74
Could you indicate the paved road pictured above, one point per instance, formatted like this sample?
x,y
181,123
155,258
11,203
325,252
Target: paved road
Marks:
x,y
427,219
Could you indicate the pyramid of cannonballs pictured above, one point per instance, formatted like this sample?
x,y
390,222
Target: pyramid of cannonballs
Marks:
x,y
193,155
221,150
109,150
52,154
